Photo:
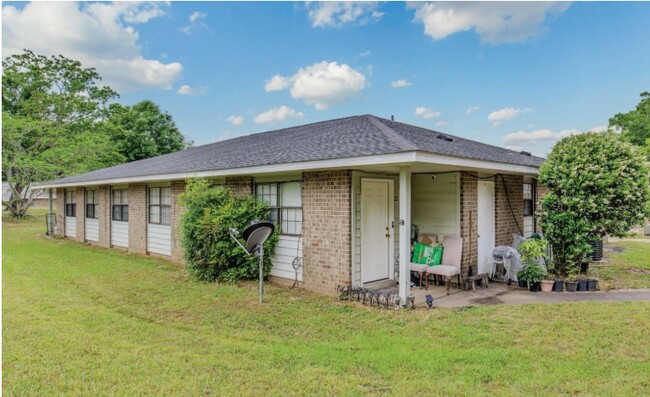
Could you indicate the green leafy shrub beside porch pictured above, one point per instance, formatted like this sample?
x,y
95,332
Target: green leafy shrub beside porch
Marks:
x,y
210,253
597,185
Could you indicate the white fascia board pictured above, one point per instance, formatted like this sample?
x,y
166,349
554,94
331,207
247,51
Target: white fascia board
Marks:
x,y
407,158
431,158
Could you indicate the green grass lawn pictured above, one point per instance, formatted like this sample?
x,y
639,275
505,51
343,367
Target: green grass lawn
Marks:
x,y
627,269
79,320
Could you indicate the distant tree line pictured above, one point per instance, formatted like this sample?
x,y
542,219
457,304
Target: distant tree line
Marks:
x,y
57,120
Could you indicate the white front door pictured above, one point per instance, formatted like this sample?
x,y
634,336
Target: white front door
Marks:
x,y
376,231
485,224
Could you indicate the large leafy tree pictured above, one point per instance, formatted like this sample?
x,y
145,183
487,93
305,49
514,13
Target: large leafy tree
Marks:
x,y
53,123
635,124
143,130
598,185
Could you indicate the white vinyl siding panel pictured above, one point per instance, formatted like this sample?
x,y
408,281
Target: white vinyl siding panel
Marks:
x,y
287,249
92,229
159,239
120,234
70,226
528,226
434,204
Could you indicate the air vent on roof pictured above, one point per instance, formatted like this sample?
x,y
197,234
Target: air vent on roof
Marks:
x,y
525,153
445,138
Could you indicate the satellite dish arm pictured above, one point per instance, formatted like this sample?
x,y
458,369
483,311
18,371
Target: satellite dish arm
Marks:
x,y
233,234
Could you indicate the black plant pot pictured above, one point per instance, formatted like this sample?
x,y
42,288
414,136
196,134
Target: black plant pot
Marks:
x,y
533,287
522,284
592,285
558,286
582,285
571,286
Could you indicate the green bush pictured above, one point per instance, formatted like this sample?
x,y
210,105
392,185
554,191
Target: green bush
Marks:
x,y
597,185
210,252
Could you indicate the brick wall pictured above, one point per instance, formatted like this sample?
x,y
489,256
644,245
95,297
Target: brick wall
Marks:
x,y
138,218
81,214
178,187
240,185
59,208
104,215
505,223
327,242
469,221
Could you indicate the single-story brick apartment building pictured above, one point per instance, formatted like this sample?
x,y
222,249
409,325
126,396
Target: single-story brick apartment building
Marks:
x,y
348,194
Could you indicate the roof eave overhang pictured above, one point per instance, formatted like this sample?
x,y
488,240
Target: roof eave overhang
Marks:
x,y
404,158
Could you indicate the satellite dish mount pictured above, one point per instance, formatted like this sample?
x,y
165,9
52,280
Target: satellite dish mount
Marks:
x,y
255,235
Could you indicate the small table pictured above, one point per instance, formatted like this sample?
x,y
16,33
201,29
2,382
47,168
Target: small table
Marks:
x,y
472,280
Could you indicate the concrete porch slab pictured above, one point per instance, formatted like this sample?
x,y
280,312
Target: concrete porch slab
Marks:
x,y
500,293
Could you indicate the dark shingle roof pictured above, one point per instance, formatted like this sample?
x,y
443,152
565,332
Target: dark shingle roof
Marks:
x,y
334,139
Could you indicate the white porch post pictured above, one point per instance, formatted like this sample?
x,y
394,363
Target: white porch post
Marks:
x,y
50,224
404,233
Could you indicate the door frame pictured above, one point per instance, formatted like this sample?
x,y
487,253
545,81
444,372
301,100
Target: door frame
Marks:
x,y
391,226
491,220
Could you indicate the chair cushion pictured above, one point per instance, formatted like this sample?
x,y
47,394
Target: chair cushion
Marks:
x,y
443,270
416,267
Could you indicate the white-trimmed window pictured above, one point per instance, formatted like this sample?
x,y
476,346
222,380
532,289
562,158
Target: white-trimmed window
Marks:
x,y
92,201
120,207
70,203
528,199
160,205
285,200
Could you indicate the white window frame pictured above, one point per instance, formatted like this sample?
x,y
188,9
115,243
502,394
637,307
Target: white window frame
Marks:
x,y
271,193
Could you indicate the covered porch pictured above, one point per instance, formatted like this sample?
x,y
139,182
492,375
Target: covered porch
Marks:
x,y
393,205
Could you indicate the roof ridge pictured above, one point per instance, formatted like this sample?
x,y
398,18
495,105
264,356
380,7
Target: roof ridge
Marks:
x,y
403,143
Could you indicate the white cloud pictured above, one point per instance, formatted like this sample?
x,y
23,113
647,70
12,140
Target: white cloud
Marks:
x,y
99,35
278,114
543,135
364,54
322,85
196,15
441,123
196,23
400,83
192,91
427,113
539,142
335,14
472,109
236,120
494,22
277,83
505,114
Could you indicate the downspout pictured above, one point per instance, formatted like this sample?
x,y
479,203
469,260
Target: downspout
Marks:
x,y
50,217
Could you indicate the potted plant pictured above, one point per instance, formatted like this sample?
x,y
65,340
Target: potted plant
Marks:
x,y
533,275
547,283
571,281
592,282
582,283
532,254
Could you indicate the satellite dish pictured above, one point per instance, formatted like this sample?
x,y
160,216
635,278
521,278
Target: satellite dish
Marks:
x,y
256,234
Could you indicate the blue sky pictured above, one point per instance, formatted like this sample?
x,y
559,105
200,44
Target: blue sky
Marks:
x,y
520,75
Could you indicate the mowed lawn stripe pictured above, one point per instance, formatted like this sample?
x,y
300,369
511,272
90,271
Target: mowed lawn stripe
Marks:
x,y
80,320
